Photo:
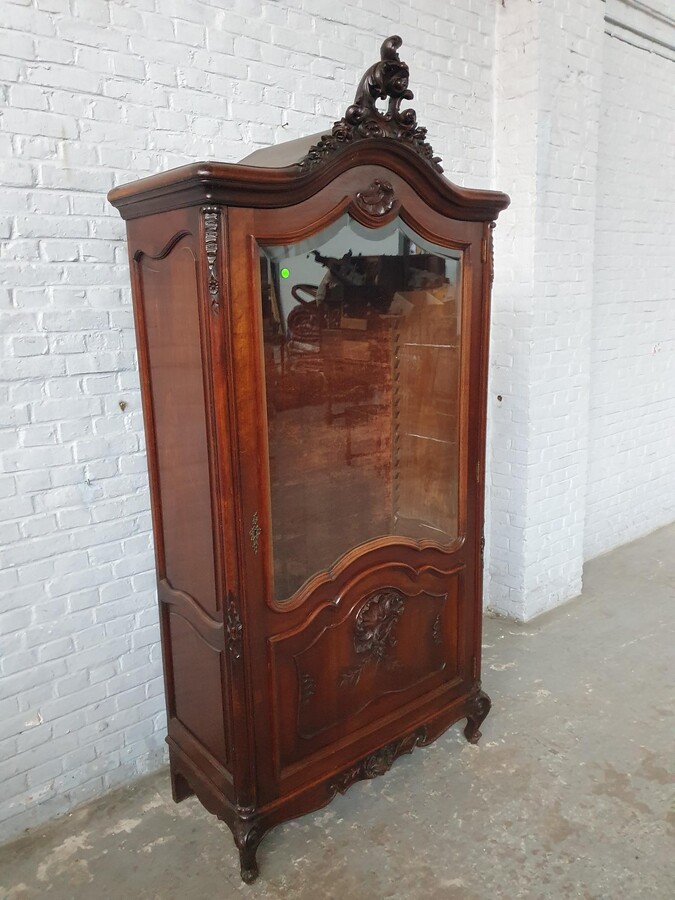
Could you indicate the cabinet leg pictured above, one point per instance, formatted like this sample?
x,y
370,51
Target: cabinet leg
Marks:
x,y
477,709
248,847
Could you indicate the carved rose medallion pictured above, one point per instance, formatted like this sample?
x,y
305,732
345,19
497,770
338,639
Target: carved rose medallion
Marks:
x,y
374,634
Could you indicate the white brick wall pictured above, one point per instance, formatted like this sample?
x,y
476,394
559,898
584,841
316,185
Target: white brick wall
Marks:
x,y
547,102
632,429
96,93
583,441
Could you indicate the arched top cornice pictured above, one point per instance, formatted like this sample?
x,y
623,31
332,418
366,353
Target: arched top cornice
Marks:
x,y
234,184
365,136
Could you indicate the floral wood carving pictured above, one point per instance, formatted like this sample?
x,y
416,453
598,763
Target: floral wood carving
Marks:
x,y
378,199
307,688
233,630
373,634
386,79
211,247
377,763
493,225
254,532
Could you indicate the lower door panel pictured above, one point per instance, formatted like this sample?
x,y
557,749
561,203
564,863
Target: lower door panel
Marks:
x,y
364,664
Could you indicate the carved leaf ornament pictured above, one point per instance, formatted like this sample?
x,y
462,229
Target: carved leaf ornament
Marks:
x,y
384,80
377,763
375,622
374,633
378,199
233,630
211,247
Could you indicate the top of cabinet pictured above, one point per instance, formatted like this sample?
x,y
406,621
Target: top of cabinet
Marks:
x,y
290,172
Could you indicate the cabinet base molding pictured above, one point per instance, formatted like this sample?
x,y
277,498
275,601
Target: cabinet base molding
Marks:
x,y
249,825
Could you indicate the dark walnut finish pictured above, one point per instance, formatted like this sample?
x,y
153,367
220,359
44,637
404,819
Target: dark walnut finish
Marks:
x,y
312,331
384,80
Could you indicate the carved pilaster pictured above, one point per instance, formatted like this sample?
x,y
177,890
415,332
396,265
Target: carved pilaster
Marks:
x,y
211,221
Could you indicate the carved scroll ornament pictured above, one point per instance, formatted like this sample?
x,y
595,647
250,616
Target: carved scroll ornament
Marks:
x,y
384,80
377,763
378,200
233,630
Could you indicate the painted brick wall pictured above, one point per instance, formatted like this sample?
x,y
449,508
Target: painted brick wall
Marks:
x,y
631,486
95,93
548,83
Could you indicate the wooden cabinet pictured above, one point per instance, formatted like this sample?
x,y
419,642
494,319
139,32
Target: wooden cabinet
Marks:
x,y
312,330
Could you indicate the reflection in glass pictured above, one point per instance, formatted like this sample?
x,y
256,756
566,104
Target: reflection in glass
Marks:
x,y
361,344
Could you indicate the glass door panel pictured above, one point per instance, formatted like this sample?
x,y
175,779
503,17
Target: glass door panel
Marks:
x,y
362,360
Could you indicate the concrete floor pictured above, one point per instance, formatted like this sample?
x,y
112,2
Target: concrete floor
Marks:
x,y
570,794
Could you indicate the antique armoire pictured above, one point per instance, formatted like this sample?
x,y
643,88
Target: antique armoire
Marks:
x,y
312,328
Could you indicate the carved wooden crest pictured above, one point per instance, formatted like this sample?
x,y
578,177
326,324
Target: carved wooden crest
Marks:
x,y
386,79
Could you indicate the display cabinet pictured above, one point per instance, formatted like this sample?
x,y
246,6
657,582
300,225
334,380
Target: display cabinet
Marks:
x,y
312,328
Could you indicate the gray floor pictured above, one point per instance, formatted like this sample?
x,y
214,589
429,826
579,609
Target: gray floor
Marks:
x,y
570,794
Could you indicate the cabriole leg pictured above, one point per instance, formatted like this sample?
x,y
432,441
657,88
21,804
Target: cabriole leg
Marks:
x,y
477,709
248,847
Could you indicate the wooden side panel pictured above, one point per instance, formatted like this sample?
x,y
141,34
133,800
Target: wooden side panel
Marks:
x,y
172,311
191,654
169,295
